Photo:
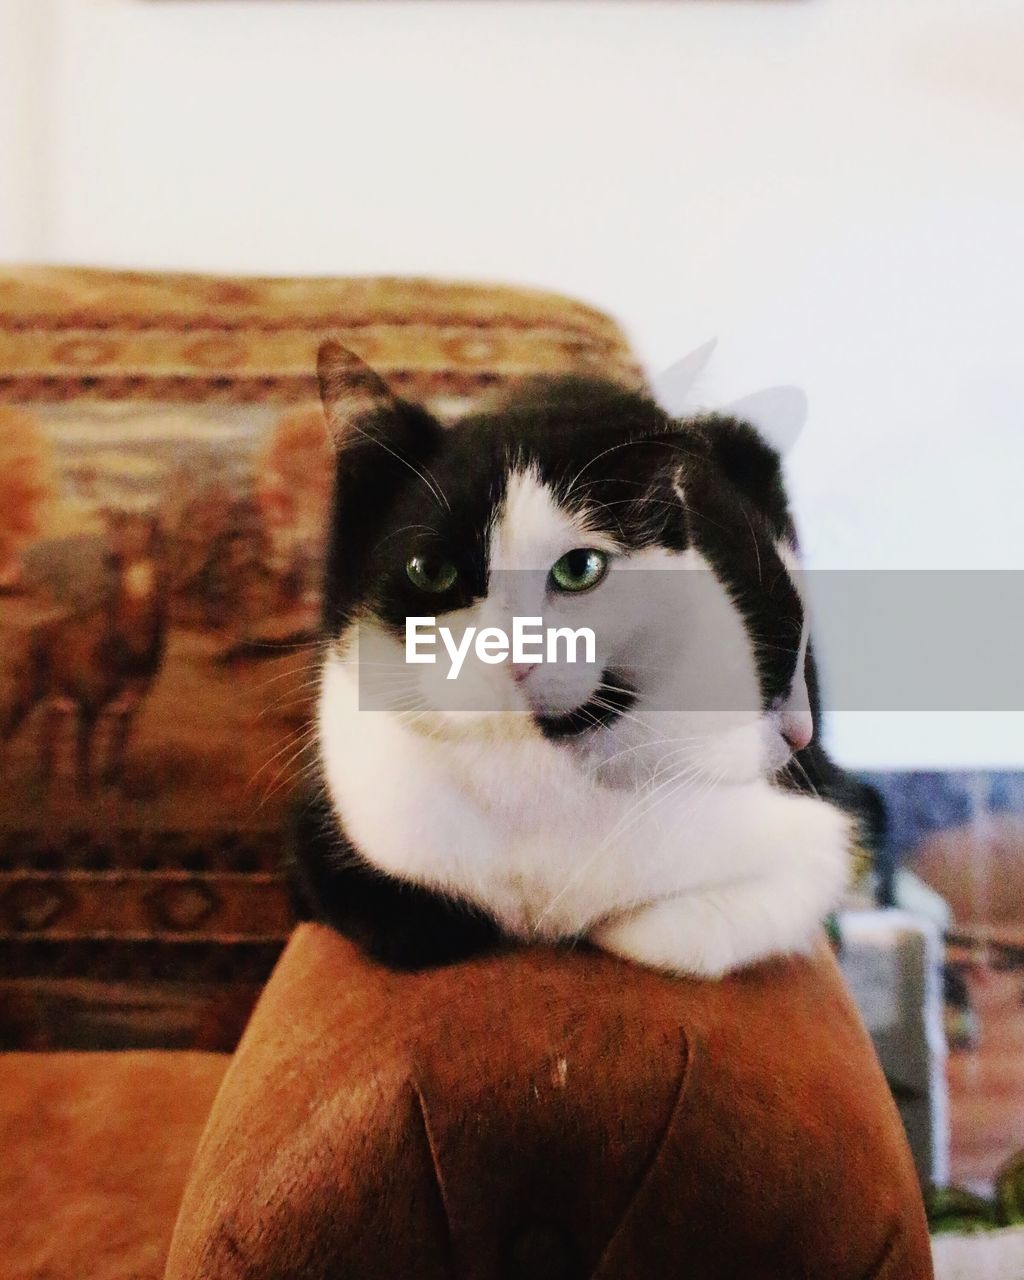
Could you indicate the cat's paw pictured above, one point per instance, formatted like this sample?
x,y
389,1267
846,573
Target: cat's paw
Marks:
x,y
804,860
692,935
808,870
812,837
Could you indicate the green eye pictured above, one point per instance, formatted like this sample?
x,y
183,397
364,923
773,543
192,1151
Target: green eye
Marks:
x,y
579,570
430,573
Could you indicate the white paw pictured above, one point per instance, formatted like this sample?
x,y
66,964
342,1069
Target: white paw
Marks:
x,y
710,931
808,827
687,935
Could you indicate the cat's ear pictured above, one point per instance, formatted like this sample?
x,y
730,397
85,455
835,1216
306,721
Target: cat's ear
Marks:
x,y
748,461
352,394
748,438
671,389
778,413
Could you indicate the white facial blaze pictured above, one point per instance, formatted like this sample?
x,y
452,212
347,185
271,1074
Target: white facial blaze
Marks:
x,y
531,529
530,532
791,721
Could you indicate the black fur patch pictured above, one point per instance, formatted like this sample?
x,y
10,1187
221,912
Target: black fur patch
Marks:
x,y
401,925
613,699
407,486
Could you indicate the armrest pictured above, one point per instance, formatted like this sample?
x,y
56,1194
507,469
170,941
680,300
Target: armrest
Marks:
x,y
547,1114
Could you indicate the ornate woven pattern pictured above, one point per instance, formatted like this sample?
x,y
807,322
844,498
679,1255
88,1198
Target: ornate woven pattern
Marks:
x,y
123,335
163,481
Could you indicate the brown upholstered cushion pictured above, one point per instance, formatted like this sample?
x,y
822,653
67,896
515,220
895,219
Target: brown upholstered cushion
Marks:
x,y
94,1152
163,480
542,1115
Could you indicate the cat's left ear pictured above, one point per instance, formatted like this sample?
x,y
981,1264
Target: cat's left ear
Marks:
x,y
672,387
748,439
778,413
353,395
749,463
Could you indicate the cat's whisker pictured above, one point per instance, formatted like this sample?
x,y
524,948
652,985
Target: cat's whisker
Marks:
x,y
396,665
642,804
291,697
283,705
291,674
582,870
302,742
794,763
648,798
692,778
408,706
625,751
623,444
670,760
761,645
587,865
622,713
306,734
423,474
288,776
406,528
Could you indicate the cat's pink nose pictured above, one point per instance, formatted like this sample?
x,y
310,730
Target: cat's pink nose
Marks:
x,y
798,729
520,670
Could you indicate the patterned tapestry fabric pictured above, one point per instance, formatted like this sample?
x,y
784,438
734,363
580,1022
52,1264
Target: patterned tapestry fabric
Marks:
x,y
163,480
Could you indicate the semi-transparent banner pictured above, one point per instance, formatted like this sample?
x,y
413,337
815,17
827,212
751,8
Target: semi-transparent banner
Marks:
x,y
681,640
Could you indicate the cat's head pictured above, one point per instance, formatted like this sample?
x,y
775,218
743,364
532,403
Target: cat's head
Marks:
x,y
584,506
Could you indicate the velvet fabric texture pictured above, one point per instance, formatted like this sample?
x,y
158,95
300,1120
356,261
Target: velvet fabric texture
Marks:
x,y
546,1115
94,1152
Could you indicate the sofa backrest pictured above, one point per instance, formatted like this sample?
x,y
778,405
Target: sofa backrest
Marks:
x,y
163,481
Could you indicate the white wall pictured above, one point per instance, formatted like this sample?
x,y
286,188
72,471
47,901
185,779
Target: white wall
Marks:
x,y
26,56
834,187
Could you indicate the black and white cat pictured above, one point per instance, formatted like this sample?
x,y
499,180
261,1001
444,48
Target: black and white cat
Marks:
x,y
662,801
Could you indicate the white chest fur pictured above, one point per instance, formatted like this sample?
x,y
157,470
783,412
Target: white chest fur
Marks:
x,y
695,879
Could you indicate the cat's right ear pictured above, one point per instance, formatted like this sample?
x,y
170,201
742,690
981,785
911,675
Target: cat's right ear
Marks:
x,y
351,393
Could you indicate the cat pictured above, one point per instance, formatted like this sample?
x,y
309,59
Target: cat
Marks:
x,y
668,802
